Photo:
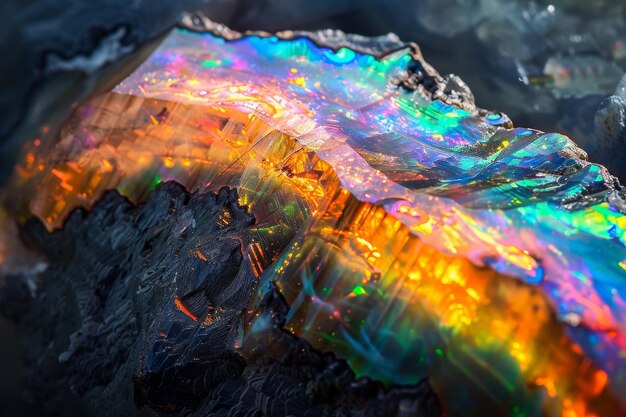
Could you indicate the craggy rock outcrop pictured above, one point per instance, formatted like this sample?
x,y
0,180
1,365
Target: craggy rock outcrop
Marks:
x,y
141,312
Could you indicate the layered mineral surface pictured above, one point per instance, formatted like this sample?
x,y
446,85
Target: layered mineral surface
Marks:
x,y
410,233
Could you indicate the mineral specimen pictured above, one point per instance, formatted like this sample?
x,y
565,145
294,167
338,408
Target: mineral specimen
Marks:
x,y
409,232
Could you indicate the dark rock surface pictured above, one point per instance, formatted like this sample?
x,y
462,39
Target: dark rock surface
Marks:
x,y
141,311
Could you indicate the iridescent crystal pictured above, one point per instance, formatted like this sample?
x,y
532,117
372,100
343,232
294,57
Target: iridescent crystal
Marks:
x,y
411,237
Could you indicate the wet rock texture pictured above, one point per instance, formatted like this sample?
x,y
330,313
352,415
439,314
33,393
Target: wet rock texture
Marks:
x,y
141,311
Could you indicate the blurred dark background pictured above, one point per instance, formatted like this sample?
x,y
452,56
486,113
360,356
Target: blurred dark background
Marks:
x,y
551,65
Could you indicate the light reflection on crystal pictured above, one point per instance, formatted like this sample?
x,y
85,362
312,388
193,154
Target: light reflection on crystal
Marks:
x,y
410,237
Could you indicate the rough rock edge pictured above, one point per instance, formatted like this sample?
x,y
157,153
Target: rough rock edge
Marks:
x,y
420,76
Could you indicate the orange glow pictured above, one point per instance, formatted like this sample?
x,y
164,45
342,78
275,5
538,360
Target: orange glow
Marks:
x,y
181,307
200,255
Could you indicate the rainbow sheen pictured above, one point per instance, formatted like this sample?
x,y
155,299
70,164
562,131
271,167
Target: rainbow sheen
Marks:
x,y
411,237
